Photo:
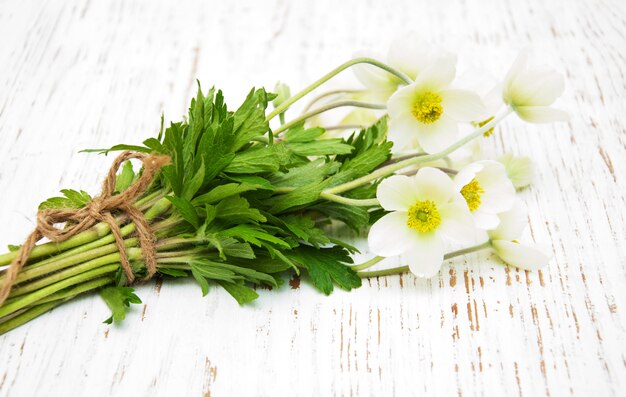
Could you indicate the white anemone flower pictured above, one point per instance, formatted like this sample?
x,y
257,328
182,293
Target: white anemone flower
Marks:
x,y
487,190
426,113
508,248
530,92
410,55
424,208
520,169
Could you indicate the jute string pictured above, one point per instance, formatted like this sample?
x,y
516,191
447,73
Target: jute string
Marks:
x,y
98,210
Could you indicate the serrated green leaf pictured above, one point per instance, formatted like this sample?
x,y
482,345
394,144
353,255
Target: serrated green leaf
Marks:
x,y
357,218
118,299
222,191
173,272
310,173
252,180
72,199
259,160
326,266
300,134
254,235
241,293
250,118
304,228
299,197
125,178
134,148
322,147
192,185
202,282
236,209
186,210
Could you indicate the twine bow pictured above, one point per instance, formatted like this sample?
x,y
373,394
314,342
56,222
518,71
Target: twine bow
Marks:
x,y
98,210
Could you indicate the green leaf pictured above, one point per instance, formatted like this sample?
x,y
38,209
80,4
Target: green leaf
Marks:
x,y
241,293
262,160
116,148
72,199
250,118
202,282
192,186
299,134
357,218
252,180
326,266
173,272
222,191
254,235
234,248
322,147
310,173
304,228
125,178
236,209
186,210
362,164
299,197
118,299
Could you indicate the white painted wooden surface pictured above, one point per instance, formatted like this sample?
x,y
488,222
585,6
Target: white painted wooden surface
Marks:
x,y
80,73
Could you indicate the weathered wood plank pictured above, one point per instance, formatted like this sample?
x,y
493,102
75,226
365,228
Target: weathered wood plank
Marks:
x,y
77,74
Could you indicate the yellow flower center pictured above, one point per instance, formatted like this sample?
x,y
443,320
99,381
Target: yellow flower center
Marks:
x,y
489,132
472,192
427,108
424,216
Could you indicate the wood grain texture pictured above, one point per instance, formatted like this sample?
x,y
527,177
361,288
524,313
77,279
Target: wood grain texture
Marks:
x,y
80,73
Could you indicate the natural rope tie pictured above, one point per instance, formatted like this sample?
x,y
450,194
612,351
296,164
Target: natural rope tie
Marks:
x,y
98,210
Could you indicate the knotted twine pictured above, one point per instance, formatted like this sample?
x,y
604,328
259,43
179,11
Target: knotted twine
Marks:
x,y
98,210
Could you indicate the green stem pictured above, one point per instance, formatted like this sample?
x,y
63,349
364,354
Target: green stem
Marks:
x,y
62,263
69,293
95,237
133,254
327,94
392,168
285,105
404,269
27,315
345,127
325,108
368,264
349,201
27,300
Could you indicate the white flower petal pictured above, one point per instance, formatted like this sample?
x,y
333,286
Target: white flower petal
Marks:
x,y
403,133
409,55
457,223
437,136
520,255
537,88
463,105
520,169
401,102
519,65
397,193
372,77
512,223
466,174
541,114
439,74
433,184
499,192
390,235
426,255
485,220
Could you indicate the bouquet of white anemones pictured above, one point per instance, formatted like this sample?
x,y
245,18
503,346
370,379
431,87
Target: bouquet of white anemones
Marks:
x,y
230,199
